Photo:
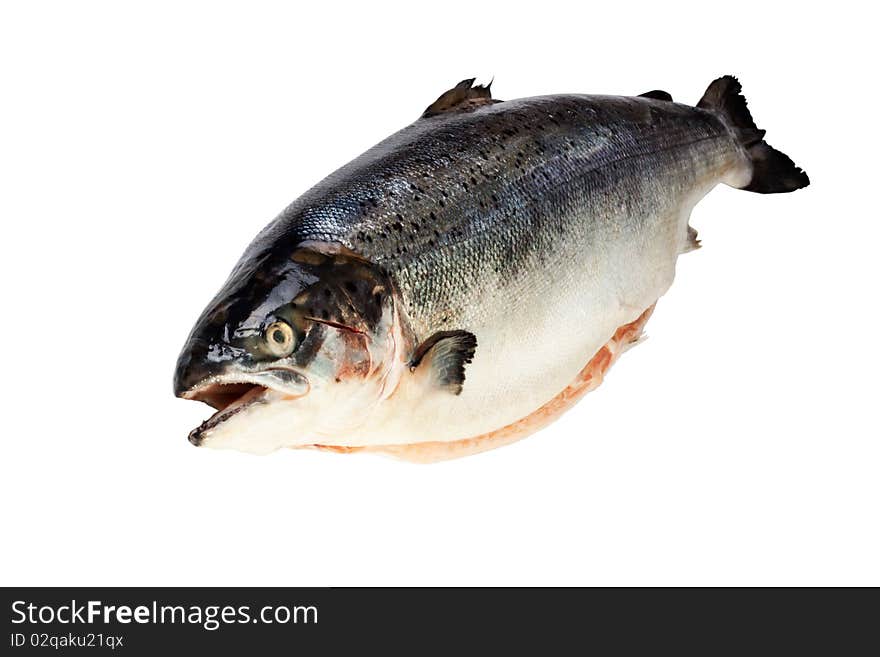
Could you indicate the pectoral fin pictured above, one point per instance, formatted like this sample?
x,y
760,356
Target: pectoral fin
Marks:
x,y
441,359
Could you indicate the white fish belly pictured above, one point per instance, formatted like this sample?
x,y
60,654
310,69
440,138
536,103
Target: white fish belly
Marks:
x,y
534,343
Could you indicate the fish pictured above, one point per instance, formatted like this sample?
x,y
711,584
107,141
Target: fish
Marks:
x,y
467,280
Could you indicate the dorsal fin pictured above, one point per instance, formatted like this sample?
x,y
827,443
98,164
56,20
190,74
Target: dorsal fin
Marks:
x,y
657,94
463,97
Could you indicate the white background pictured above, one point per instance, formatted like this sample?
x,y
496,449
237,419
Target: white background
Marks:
x,y
143,147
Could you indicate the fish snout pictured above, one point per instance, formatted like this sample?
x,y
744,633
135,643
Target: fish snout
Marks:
x,y
193,367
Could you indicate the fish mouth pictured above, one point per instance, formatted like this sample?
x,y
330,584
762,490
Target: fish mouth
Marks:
x,y
228,398
232,392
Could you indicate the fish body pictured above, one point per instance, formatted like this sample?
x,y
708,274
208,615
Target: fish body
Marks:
x,y
505,245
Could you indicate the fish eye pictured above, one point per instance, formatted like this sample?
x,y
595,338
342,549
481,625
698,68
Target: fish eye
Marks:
x,y
280,339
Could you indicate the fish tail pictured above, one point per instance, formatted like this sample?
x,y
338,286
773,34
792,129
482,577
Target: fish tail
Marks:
x,y
772,171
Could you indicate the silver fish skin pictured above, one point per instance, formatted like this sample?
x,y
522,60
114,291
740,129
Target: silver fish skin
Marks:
x,y
539,226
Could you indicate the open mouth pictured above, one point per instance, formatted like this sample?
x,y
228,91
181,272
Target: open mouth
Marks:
x,y
228,399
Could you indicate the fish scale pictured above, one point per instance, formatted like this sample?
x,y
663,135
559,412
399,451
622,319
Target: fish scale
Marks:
x,y
458,195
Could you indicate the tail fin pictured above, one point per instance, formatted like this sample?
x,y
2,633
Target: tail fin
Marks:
x,y
773,171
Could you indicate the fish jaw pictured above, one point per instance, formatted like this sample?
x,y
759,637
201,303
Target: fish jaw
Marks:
x,y
263,421
252,424
252,394
236,393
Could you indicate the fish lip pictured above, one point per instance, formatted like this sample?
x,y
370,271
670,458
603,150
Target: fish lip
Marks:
x,y
253,395
245,390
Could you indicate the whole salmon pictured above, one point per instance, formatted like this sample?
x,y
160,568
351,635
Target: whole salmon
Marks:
x,y
466,280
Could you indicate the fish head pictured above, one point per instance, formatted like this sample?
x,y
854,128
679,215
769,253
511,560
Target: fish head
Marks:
x,y
293,349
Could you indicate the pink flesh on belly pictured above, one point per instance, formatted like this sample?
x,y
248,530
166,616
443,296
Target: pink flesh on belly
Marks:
x,y
587,379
